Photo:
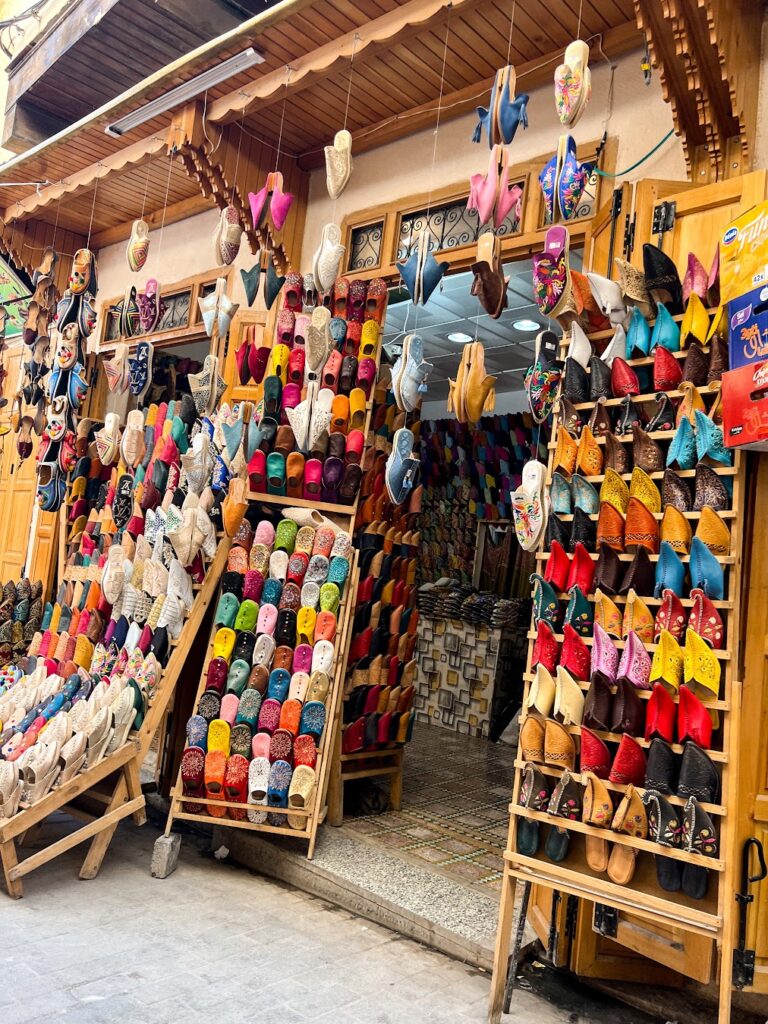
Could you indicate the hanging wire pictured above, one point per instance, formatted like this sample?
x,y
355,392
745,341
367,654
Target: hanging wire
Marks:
x,y
578,27
165,207
288,70
93,208
355,41
146,188
511,27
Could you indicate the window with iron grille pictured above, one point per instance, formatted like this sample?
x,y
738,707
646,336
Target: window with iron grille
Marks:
x,y
365,250
451,225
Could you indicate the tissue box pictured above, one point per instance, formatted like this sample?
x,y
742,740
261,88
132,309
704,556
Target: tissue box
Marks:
x,y
744,253
748,328
745,407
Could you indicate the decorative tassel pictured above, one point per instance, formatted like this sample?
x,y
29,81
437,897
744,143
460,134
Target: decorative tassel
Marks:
x,y
490,399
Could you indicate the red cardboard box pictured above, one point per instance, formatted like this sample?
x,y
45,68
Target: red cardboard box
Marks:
x,y
745,407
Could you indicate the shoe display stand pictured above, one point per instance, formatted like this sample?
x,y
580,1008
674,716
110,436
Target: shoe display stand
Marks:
x,y
642,898
113,782
343,515
379,759
315,814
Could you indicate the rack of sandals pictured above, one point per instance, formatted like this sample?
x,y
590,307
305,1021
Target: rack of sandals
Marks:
x,y
626,770
152,511
268,706
379,689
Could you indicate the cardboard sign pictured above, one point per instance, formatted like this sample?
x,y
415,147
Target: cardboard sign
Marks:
x,y
745,407
744,253
748,328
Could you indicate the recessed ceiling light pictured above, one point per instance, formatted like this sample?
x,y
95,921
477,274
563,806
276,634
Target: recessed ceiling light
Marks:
x,y
525,325
460,338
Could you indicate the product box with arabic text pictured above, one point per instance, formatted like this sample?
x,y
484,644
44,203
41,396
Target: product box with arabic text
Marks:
x,y
745,407
744,253
748,328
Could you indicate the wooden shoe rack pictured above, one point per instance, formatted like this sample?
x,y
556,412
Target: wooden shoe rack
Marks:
x,y
343,515
643,898
111,789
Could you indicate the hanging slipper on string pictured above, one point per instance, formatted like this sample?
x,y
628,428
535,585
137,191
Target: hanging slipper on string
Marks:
x,y
489,283
138,245
338,163
421,273
327,259
573,83
505,112
151,306
270,201
490,196
227,236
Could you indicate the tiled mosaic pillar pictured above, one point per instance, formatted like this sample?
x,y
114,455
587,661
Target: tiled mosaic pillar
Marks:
x,y
456,674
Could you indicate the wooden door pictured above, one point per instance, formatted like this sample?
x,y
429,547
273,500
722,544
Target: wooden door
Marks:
x,y
17,486
625,956
700,215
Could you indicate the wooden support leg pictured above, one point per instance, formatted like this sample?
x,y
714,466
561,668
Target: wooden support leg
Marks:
x,y
503,939
14,888
726,981
396,784
133,783
335,796
100,843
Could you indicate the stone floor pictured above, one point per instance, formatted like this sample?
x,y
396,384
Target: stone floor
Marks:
x,y
214,942
454,818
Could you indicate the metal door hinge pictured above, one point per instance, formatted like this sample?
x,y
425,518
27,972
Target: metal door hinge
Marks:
x,y
663,219
606,921
629,236
617,201
743,967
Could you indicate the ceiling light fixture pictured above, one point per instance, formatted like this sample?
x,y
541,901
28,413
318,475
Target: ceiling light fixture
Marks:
x,y
186,91
525,325
460,338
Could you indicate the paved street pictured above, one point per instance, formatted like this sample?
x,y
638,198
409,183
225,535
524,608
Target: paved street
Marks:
x,y
214,943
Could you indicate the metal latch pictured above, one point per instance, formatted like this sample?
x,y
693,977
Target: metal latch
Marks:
x,y
606,921
663,219
629,235
743,958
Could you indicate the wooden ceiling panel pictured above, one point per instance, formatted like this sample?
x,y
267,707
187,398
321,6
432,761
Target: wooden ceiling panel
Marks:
x,y
397,77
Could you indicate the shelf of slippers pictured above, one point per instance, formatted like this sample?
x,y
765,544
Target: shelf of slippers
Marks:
x,y
379,691
552,842
297,815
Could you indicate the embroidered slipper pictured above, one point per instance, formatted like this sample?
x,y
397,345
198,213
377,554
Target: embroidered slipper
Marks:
x,y
338,165
573,83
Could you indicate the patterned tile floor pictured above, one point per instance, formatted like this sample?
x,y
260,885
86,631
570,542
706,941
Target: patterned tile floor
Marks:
x,y
454,816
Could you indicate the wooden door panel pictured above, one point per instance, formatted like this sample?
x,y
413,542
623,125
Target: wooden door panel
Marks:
x,y
17,487
263,323
701,214
673,952
540,919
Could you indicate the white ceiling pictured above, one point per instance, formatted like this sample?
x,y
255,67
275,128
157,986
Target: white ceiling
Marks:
x,y
453,309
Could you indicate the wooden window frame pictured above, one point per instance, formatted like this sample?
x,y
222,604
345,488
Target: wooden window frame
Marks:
x,y
523,242
192,331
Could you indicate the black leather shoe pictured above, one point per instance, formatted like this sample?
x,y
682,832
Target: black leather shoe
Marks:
x,y
662,279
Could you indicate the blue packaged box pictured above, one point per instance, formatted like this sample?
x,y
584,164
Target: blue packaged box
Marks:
x,y
748,328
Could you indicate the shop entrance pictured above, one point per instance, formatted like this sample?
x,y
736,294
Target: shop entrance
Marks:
x,y
473,596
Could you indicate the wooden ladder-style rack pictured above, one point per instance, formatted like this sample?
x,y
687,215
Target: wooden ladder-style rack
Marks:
x,y
713,917
114,782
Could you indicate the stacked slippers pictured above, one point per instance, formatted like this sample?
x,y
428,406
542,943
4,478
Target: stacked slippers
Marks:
x,y
619,730
145,516
260,719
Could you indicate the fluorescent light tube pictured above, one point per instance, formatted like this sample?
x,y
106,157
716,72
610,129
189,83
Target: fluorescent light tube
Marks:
x,y
186,91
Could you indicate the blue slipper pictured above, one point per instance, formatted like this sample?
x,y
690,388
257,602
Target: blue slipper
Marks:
x,y
402,469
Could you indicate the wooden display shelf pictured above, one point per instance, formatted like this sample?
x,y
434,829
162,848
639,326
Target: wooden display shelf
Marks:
x,y
567,517
121,767
644,398
610,331
316,813
712,705
723,655
643,897
325,508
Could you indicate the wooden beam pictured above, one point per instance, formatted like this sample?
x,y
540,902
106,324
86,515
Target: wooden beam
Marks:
x,y
174,213
532,74
377,36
